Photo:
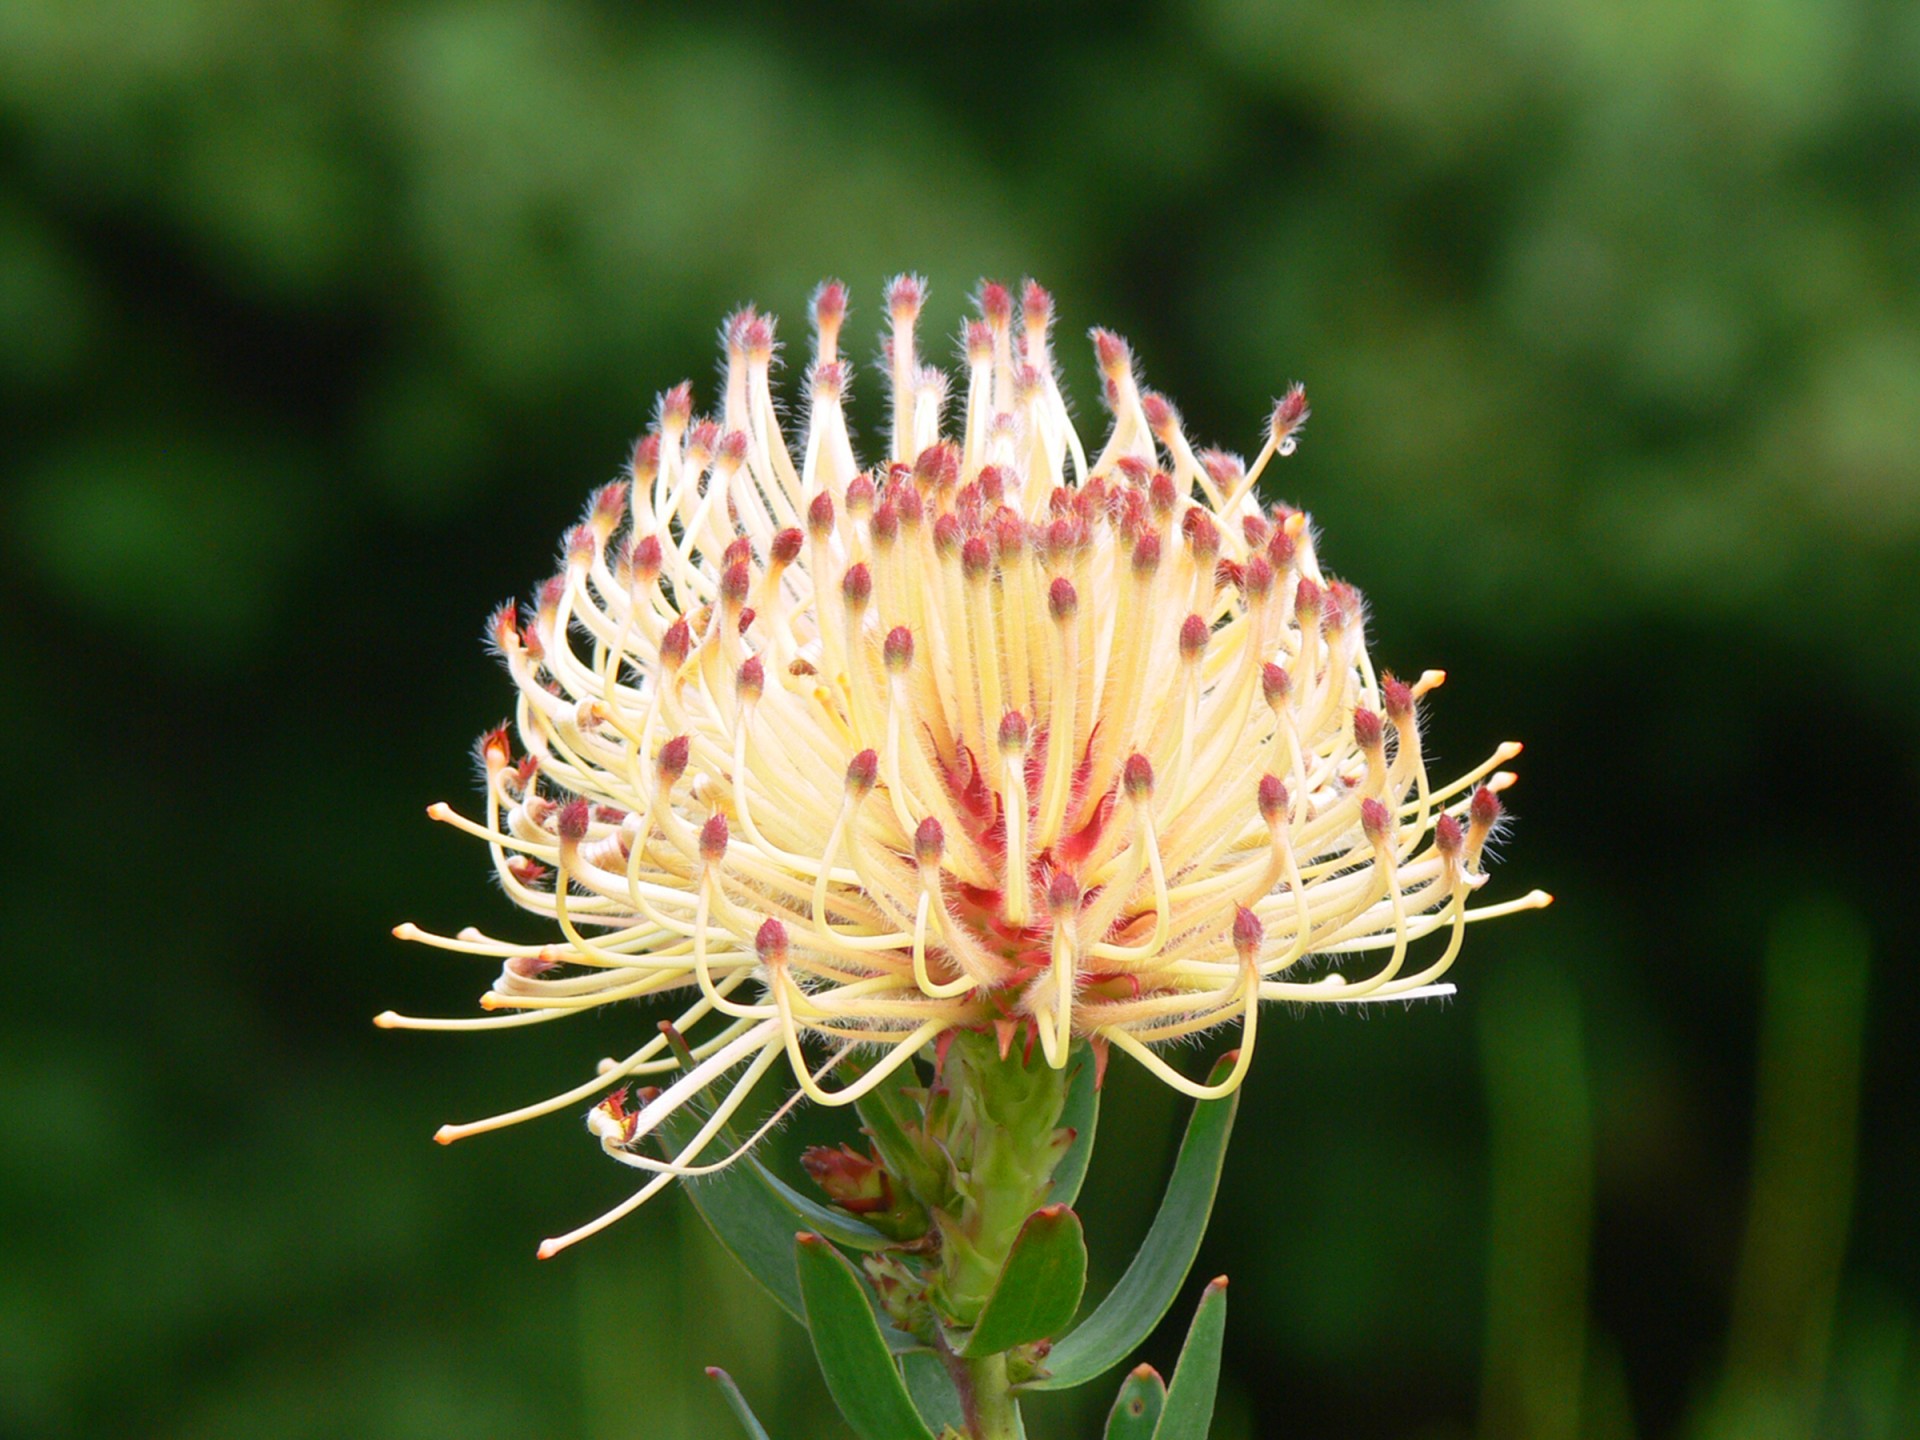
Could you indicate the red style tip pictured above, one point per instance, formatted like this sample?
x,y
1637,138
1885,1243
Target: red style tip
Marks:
x,y
735,581
1063,894
897,651
676,406
673,759
1448,838
1146,555
1397,696
976,557
856,586
572,819
905,295
676,644
1112,353
1062,599
770,941
1376,820
713,838
1306,597
1137,777
1014,734
996,303
938,465
1162,418
1485,808
786,546
829,304
929,842
1288,416
862,772
645,461
820,515
752,678
1194,635
1367,730
1273,799
1259,578
1248,932
1275,683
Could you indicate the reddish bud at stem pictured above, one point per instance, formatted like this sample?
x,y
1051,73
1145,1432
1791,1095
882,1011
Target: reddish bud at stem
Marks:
x,y
1448,838
1376,820
675,645
1063,895
976,558
786,546
1273,799
1062,600
1366,729
860,495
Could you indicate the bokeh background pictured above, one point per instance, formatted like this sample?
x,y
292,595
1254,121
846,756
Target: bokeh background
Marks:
x,y
317,323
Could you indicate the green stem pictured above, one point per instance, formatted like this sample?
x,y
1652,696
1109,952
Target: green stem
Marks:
x,y
992,1412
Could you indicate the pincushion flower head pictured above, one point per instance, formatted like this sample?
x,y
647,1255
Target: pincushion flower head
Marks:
x,y
996,736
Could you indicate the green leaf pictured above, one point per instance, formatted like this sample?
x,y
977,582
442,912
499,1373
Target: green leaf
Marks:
x,y
1188,1413
737,1403
1040,1284
753,1216
893,1118
932,1390
1136,1409
859,1369
1082,1116
1134,1306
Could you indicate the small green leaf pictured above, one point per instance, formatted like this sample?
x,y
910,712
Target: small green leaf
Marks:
x,y
1082,1116
1136,1409
1039,1287
1188,1413
753,1215
859,1369
892,1118
1134,1306
737,1403
932,1390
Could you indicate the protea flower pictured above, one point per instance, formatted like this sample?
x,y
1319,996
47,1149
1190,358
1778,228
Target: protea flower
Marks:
x,y
993,737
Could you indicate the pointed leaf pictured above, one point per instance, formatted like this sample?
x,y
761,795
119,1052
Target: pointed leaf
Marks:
x,y
1082,1116
932,1390
1134,1306
859,1369
1039,1287
737,1403
1136,1409
1188,1413
753,1215
892,1117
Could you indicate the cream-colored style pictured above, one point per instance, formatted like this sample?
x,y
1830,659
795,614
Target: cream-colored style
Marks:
x,y
991,735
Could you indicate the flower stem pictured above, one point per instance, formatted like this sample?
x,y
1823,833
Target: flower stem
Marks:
x,y
992,1412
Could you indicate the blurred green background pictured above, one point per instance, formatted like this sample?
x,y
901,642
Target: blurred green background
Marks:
x,y
317,323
